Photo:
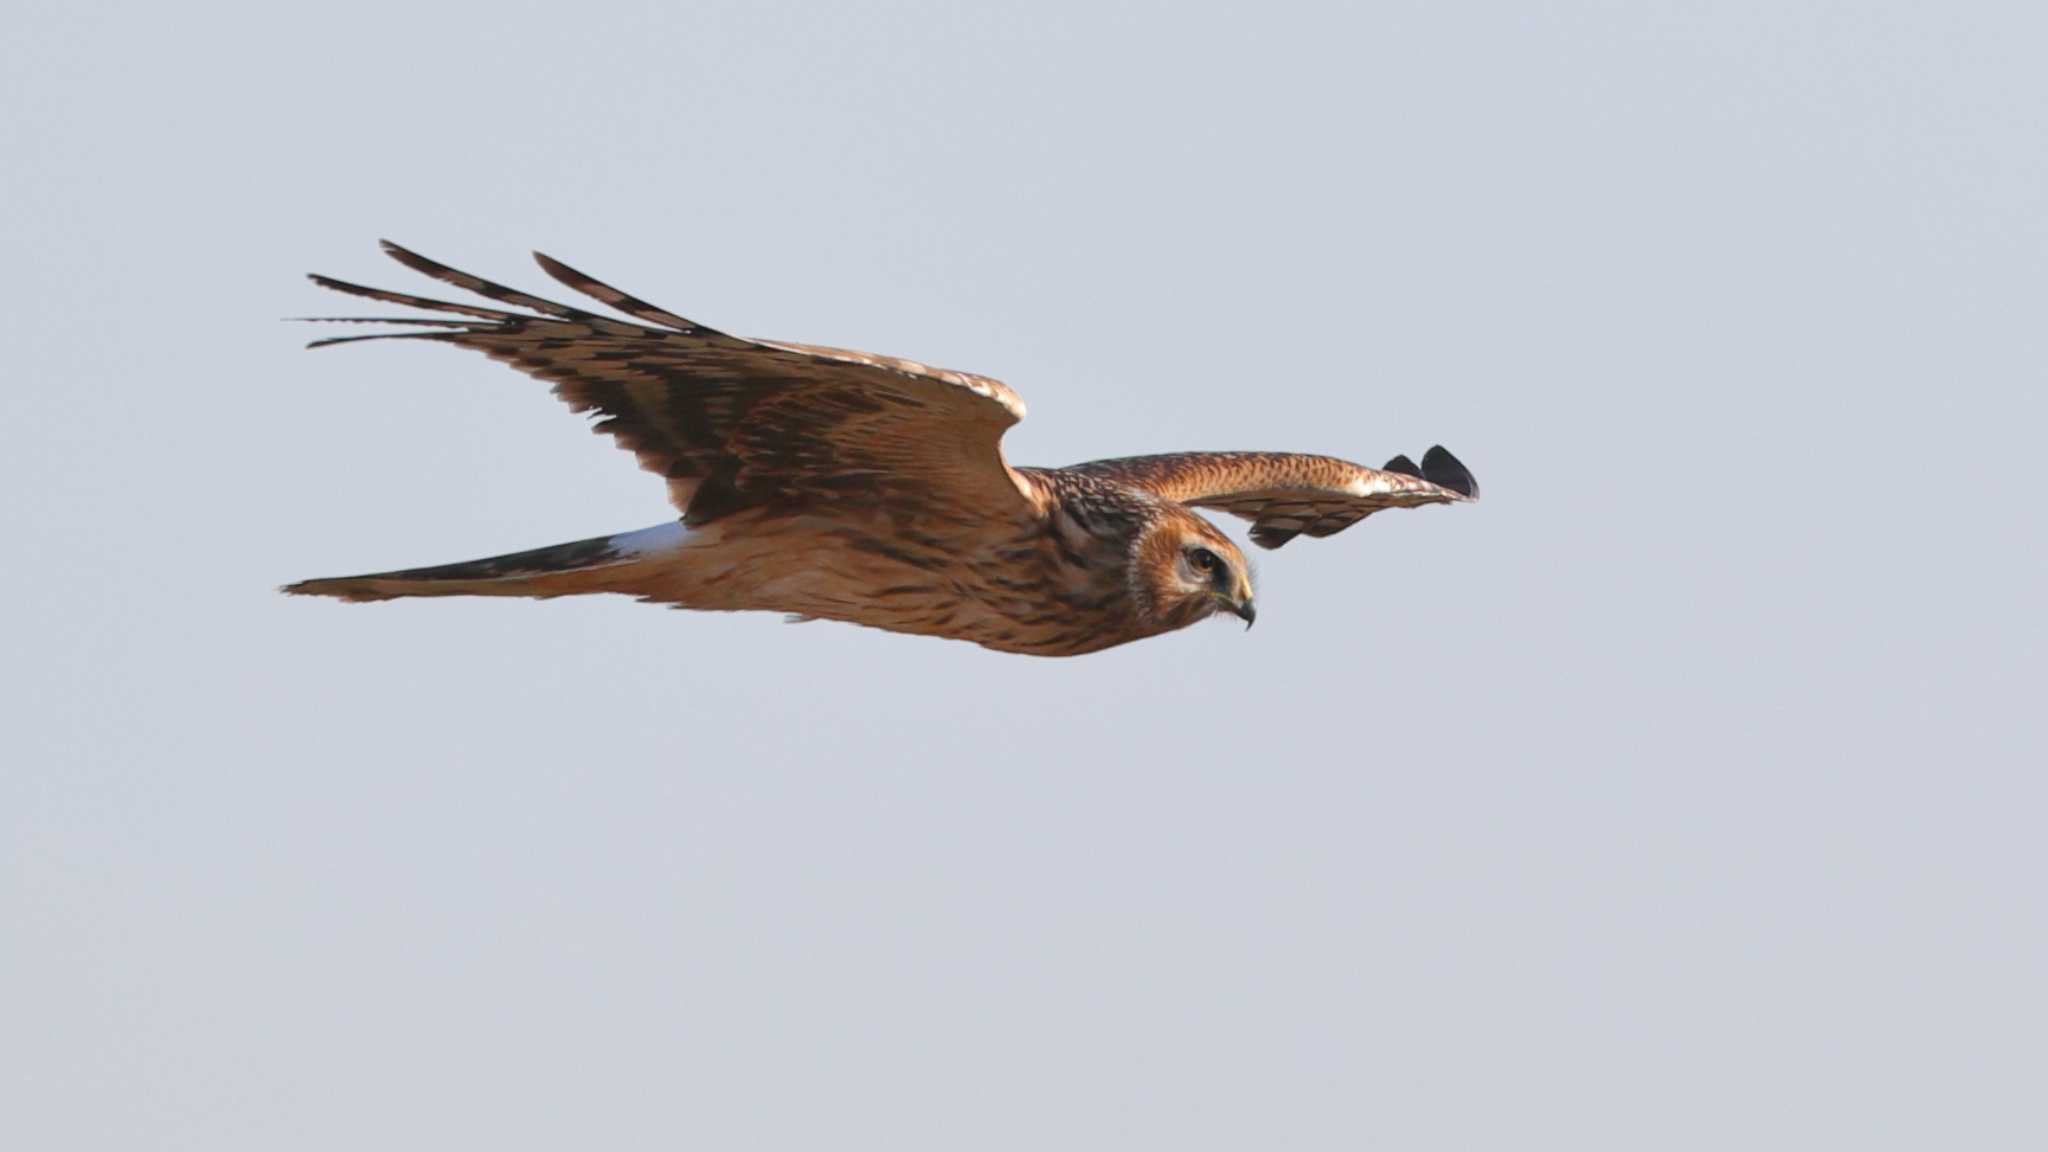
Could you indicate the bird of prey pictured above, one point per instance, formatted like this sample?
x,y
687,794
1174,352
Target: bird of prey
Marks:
x,y
829,484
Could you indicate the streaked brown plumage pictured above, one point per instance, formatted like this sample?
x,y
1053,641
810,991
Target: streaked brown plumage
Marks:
x,y
830,484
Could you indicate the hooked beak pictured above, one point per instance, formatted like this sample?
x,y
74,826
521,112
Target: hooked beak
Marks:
x,y
1241,604
1246,611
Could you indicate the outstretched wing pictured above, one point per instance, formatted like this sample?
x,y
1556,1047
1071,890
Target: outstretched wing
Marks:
x,y
735,423
1284,494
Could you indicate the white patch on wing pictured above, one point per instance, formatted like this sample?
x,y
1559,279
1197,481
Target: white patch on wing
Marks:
x,y
660,538
1385,483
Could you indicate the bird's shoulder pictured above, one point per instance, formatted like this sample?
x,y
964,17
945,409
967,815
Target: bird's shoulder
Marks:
x,y
1101,503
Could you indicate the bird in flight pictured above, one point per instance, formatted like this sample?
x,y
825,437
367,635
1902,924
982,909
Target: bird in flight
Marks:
x,y
829,484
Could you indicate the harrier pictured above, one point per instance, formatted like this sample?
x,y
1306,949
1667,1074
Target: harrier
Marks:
x,y
838,485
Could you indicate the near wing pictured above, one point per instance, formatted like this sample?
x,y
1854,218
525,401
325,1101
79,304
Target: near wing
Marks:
x,y
1285,495
734,423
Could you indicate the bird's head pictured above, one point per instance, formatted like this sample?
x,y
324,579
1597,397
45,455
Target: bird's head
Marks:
x,y
1183,570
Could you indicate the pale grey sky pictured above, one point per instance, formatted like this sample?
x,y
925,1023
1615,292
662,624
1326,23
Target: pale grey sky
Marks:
x,y
1685,793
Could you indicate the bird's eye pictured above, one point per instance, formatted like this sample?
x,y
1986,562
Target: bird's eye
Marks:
x,y
1204,560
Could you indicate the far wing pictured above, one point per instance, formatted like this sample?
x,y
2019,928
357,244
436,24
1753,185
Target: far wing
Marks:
x,y
734,423
1286,494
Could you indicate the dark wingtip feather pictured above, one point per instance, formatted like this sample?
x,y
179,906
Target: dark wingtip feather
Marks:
x,y
1404,466
482,287
331,341
414,260
604,293
408,257
410,301
1444,470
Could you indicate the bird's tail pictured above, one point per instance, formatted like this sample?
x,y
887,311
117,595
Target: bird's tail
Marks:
x,y
593,565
